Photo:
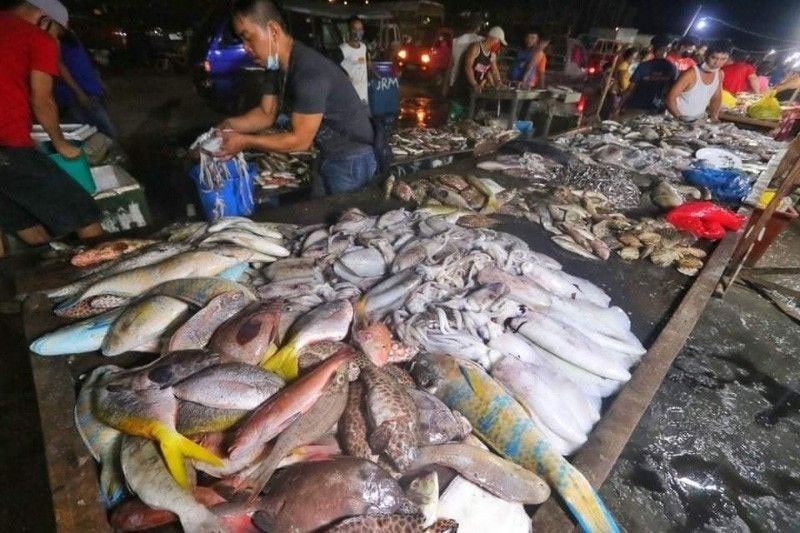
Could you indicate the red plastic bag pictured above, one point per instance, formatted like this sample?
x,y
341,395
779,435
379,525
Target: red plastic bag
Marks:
x,y
706,220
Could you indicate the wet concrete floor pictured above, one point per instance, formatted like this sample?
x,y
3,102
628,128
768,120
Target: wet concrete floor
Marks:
x,y
716,451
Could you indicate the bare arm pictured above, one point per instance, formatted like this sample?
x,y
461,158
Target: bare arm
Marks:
x,y
752,79
257,119
300,138
684,82
495,72
46,112
716,100
471,54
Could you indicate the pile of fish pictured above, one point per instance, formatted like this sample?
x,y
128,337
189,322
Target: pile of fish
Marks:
x,y
276,170
314,392
660,146
127,302
457,137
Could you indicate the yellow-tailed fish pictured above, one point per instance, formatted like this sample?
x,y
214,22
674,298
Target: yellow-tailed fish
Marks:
x,y
492,205
505,426
329,321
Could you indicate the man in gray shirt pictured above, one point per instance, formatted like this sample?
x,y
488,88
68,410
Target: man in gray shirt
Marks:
x,y
326,110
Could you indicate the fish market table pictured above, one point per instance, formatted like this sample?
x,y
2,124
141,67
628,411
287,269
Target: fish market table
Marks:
x,y
744,120
663,306
515,96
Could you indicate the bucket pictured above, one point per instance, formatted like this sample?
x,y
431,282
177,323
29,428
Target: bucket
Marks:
x,y
78,168
235,198
525,129
775,226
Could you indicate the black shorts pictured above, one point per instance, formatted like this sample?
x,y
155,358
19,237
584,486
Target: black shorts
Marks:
x,y
34,190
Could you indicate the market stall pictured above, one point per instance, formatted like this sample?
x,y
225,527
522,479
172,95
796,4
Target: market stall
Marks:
x,y
662,303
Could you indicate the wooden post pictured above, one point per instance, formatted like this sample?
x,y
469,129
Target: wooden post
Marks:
x,y
607,85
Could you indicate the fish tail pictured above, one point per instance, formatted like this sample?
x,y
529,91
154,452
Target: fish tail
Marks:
x,y
284,362
582,500
112,488
175,447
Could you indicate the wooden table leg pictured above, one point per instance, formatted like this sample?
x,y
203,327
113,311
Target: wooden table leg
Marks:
x,y
512,116
473,97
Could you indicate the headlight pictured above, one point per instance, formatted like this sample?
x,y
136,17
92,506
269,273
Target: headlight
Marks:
x,y
425,58
402,54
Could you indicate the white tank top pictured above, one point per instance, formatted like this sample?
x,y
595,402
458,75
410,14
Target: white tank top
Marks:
x,y
692,104
355,64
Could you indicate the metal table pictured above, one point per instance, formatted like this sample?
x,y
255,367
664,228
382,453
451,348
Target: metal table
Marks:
x,y
515,96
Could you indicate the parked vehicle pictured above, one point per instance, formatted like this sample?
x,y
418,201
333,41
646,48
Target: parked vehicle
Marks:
x,y
429,56
601,55
222,70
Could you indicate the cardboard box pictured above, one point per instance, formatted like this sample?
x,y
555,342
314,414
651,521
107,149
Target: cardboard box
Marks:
x,y
121,199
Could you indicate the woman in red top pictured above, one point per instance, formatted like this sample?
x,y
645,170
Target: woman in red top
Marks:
x,y
740,76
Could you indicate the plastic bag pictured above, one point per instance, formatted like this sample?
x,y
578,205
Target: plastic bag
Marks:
x,y
705,220
727,185
766,108
728,100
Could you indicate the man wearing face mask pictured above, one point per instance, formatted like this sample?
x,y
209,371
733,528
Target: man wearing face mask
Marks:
x,y
480,62
325,109
354,57
700,88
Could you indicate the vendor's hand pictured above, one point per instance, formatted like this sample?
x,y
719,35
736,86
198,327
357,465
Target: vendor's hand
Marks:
x,y
232,143
67,150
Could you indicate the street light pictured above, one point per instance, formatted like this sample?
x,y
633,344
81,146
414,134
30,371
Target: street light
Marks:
x,y
701,24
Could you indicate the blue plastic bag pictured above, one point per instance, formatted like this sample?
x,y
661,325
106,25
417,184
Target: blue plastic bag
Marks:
x,y
234,198
727,185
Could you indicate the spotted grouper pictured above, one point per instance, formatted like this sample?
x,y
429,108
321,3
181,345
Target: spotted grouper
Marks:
x,y
505,426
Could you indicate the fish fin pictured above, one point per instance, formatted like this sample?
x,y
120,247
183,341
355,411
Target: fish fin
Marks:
x,y
582,500
112,487
270,351
174,447
284,363
473,378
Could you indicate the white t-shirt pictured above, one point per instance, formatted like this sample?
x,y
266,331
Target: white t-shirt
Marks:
x,y
460,45
355,64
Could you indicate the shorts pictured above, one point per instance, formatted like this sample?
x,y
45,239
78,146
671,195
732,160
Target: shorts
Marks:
x,y
34,190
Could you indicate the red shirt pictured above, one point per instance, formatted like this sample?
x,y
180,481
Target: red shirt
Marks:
x,y
681,63
23,49
736,75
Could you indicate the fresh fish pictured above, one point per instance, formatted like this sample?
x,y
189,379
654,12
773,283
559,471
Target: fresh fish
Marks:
x,y
566,342
361,263
504,425
375,341
352,429
334,489
141,323
313,354
199,291
103,442
492,205
145,473
229,386
499,476
570,245
196,332
80,337
392,414
270,246
245,224
388,295
552,398
293,268
521,289
140,402
477,511
423,491
562,284
108,251
249,336
448,196
134,282
665,195
143,257
402,191
438,424
411,523
305,429
195,419
330,321
278,413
